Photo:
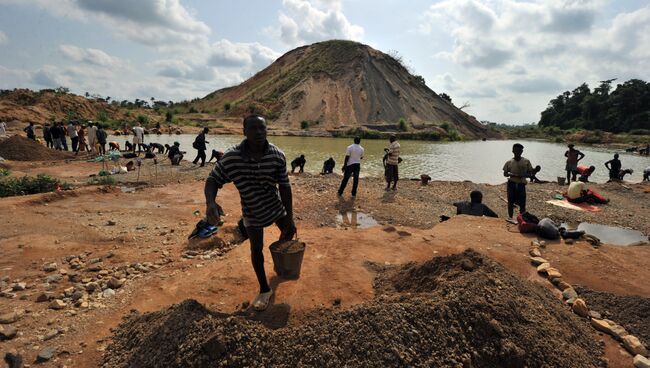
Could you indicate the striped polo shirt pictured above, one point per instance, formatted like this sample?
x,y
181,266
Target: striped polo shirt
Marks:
x,y
393,153
257,182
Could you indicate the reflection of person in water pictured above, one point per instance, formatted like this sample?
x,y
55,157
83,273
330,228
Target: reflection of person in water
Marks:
x,y
328,166
298,162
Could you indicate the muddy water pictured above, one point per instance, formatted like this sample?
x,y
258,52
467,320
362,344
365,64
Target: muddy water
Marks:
x,y
355,219
476,161
613,235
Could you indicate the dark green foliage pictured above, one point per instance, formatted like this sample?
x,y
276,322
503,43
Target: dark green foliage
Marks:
x,y
169,116
29,185
402,125
193,110
304,124
142,119
445,126
445,97
226,106
625,109
4,172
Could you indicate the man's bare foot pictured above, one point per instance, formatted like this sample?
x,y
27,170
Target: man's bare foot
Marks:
x,y
262,300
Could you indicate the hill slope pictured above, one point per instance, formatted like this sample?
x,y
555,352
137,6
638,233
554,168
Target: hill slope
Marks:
x,y
342,84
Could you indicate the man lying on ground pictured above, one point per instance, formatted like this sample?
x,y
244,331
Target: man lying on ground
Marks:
x,y
475,207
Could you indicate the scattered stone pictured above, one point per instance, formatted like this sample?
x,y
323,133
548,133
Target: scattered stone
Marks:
x,y
641,362
108,293
634,346
114,283
594,314
13,359
569,293
7,332
19,286
51,334
543,268
57,304
601,325
50,267
570,301
553,273
43,297
617,330
336,302
542,244
111,223
580,308
561,284
534,252
53,278
46,354
537,261
10,317
92,286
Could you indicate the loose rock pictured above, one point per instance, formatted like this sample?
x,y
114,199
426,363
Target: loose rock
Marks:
x,y
534,252
50,267
641,362
569,293
537,261
543,268
634,346
7,332
580,308
57,304
601,325
45,354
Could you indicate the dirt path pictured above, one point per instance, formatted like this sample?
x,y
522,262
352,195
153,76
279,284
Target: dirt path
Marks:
x,y
150,227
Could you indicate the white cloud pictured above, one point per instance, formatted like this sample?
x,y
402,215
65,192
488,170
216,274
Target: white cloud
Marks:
x,y
91,56
3,38
225,53
539,48
164,24
46,77
302,21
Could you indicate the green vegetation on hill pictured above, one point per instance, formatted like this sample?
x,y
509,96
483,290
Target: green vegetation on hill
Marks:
x,y
626,109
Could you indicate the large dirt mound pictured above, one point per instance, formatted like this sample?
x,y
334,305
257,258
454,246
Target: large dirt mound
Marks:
x,y
343,84
22,149
483,316
630,311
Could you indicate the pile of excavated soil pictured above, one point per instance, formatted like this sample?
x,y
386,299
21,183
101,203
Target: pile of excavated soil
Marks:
x,y
630,311
22,149
459,311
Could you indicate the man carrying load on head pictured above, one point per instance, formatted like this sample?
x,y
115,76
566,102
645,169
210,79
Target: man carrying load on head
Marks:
x,y
259,171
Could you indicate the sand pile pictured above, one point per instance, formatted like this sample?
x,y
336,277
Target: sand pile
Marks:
x,y
630,311
458,311
22,149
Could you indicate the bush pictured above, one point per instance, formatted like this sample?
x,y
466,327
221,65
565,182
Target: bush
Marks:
x,y
30,185
142,119
103,180
445,126
4,172
169,116
304,124
193,110
226,106
453,135
101,115
402,125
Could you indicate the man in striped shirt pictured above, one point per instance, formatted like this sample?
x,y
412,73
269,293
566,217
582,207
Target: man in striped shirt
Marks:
x,y
391,160
259,171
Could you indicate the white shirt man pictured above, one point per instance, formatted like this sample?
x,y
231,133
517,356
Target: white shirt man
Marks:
x,y
352,166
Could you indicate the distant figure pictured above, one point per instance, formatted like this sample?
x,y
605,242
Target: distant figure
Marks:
x,y
646,174
573,156
138,137
585,172
3,129
30,131
113,146
298,162
645,151
578,192
517,170
167,147
533,176
623,172
614,166
175,155
216,155
92,136
47,136
101,139
128,146
352,166
83,146
55,132
157,146
63,127
328,166
475,207
391,161
199,146
74,137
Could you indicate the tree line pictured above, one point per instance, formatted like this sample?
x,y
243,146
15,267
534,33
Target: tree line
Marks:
x,y
625,109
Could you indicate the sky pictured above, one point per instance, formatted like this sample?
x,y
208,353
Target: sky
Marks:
x,y
506,59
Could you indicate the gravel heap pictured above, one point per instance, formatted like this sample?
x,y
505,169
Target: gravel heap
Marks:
x,y
459,311
630,311
19,148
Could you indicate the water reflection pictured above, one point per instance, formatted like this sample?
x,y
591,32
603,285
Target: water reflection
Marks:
x,y
478,161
